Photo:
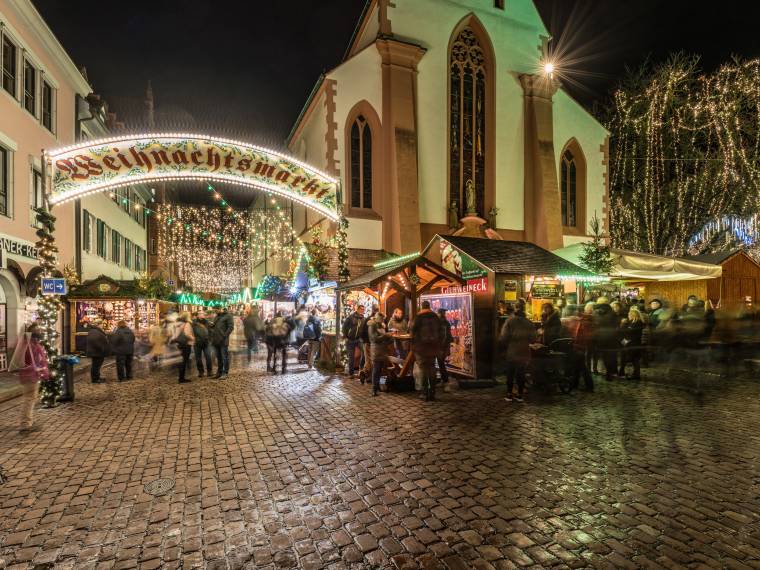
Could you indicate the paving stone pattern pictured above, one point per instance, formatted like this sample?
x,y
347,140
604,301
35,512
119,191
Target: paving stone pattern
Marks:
x,y
309,471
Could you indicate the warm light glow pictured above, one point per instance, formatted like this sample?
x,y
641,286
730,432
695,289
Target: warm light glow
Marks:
x,y
548,68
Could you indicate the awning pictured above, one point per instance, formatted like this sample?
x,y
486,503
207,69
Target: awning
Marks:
x,y
645,266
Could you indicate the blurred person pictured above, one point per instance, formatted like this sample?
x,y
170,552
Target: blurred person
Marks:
x,y
426,343
580,329
98,348
220,339
312,334
277,333
29,360
632,330
184,339
380,342
157,340
366,370
517,335
445,352
551,324
123,348
252,328
606,336
202,346
352,334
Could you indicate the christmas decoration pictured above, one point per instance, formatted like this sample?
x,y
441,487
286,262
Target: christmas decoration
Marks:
x,y
318,260
684,150
270,285
48,306
596,253
71,276
341,242
152,287
728,233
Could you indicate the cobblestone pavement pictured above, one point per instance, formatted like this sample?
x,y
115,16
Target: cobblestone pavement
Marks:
x,y
308,471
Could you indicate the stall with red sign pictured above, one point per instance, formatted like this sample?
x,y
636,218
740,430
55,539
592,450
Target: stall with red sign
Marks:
x,y
493,271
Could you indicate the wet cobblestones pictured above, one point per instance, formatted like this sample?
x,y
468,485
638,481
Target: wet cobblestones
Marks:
x,y
308,471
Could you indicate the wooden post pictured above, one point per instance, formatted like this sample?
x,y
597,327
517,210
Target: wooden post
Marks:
x,y
413,289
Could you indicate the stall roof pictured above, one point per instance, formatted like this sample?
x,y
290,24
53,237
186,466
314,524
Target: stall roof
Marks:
x,y
718,258
391,267
502,256
636,265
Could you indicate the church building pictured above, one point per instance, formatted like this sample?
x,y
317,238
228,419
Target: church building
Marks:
x,y
444,117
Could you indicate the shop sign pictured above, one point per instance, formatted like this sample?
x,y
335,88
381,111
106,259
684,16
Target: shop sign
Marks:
x,y
53,286
510,290
17,247
123,161
460,264
472,286
544,291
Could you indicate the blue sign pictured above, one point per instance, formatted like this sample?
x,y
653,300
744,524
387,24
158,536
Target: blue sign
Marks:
x,y
53,286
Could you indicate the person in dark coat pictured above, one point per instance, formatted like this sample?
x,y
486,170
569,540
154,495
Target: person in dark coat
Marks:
x,y
312,333
445,352
202,346
97,349
426,343
517,335
551,324
220,339
123,348
380,343
352,333
277,332
632,330
253,326
366,370
606,336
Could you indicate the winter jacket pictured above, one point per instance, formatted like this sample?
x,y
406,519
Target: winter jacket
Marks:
x,y
313,323
398,325
379,340
223,327
447,337
200,331
36,365
122,341
352,327
518,333
187,329
605,327
97,343
631,332
364,331
584,333
552,328
252,326
427,338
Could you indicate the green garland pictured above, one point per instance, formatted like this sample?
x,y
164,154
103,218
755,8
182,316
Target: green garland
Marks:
x,y
49,306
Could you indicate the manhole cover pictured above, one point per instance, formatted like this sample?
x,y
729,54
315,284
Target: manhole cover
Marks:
x,y
159,487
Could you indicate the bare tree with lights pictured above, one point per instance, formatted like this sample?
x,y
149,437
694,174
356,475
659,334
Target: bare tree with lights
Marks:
x,y
684,149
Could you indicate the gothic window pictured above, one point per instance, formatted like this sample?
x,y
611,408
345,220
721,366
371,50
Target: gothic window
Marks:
x,y
467,121
568,190
361,163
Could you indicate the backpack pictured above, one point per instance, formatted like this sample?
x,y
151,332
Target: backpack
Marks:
x,y
308,331
279,327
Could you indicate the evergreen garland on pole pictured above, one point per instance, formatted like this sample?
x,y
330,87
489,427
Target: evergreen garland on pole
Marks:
x,y
596,253
48,306
341,240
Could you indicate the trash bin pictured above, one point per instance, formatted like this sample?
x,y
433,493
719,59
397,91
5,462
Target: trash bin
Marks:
x,y
67,365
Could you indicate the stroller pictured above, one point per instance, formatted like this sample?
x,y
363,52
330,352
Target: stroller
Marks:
x,y
553,366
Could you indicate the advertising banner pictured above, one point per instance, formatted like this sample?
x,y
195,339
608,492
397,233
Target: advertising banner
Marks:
x,y
459,313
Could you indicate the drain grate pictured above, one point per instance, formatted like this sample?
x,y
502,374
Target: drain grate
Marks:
x,y
159,487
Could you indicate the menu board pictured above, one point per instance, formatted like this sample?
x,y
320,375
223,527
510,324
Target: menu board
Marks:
x,y
459,314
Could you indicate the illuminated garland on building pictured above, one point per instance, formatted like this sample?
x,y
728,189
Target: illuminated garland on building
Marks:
x,y
685,149
48,306
728,233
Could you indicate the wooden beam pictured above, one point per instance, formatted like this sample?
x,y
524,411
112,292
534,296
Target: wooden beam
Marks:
x,y
430,284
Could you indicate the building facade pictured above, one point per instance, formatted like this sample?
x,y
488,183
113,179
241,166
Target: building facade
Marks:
x,y
442,112
46,102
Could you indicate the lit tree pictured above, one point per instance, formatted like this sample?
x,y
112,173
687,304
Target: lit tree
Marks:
x,y
596,253
684,149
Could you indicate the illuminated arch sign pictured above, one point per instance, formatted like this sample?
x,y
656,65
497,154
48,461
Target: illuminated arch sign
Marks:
x,y
109,163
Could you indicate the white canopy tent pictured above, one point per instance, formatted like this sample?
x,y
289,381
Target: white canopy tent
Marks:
x,y
645,266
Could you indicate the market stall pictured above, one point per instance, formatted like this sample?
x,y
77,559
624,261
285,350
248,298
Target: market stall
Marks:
x,y
494,271
635,274
109,301
739,284
321,297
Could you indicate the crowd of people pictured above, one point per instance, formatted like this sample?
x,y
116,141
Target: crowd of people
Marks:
x,y
204,341
372,340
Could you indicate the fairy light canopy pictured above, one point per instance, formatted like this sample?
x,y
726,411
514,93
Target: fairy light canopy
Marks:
x,y
99,165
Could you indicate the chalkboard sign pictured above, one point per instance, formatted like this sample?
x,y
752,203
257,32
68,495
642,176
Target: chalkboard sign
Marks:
x,y
544,291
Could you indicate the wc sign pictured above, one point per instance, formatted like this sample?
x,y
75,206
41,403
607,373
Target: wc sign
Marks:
x,y
53,286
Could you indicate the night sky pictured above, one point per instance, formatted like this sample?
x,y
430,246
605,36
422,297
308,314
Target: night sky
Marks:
x,y
248,72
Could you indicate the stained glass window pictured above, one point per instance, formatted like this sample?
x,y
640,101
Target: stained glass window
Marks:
x,y
361,164
467,120
568,185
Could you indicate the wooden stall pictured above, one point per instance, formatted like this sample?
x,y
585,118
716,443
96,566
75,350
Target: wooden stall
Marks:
x,y
740,282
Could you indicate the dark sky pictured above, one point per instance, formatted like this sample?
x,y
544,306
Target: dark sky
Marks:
x,y
250,71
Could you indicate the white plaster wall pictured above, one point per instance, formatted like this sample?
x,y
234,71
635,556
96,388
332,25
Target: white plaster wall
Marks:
x,y
365,234
102,207
572,120
514,35
356,79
